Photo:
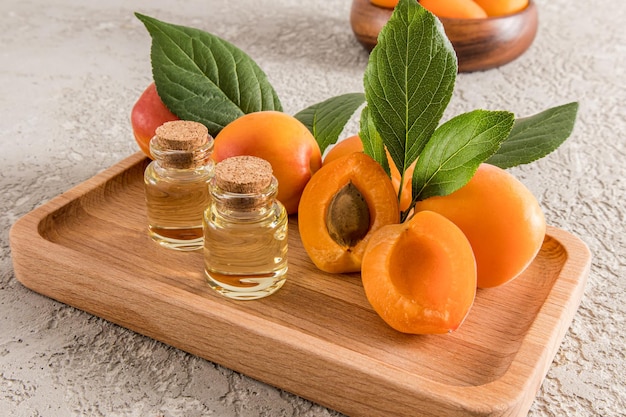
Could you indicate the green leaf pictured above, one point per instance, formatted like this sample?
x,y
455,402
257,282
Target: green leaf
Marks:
x,y
203,78
326,120
536,136
456,149
372,142
409,80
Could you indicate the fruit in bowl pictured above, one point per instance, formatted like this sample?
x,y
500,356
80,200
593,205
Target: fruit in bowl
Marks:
x,y
481,41
464,8
420,276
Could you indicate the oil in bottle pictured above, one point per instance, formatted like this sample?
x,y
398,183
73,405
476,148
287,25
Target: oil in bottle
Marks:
x,y
245,230
176,184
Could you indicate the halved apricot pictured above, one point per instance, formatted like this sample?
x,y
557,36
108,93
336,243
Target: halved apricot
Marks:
x,y
500,217
341,206
420,276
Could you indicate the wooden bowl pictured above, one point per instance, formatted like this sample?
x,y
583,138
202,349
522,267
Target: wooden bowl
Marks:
x,y
480,44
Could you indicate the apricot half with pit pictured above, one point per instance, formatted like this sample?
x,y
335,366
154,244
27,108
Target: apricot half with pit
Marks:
x,y
420,276
342,205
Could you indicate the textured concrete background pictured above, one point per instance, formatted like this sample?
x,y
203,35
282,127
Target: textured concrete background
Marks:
x,y
70,73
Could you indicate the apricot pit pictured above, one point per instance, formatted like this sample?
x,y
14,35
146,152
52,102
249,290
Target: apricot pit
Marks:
x,y
348,216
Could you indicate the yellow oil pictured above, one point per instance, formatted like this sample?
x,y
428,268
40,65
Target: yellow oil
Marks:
x,y
175,205
245,254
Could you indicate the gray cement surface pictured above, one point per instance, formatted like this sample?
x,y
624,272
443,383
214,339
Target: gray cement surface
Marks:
x,y
70,72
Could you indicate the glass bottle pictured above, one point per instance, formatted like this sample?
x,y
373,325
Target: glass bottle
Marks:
x,y
245,230
176,184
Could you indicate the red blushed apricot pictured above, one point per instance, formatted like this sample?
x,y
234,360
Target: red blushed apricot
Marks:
x,y
147,114
354,144
500,217
341,206
420,276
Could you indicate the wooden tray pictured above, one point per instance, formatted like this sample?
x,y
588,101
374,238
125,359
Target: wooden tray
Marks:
x,y
317,337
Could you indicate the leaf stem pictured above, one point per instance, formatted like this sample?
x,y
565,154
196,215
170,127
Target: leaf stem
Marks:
x,y
408,213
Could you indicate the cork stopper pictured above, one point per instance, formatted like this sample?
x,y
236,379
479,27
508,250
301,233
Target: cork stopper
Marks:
x,y
183,137
243,174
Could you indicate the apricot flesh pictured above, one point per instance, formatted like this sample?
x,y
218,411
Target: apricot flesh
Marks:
x,y
420,276
500,217
342,255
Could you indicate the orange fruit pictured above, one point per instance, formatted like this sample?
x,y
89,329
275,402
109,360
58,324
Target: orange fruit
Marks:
x,y
456,9
280,139
501,219
389,4
343,204
502,7
420,276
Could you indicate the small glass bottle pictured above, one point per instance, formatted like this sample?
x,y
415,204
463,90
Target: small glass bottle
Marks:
x,y
176,184
245,230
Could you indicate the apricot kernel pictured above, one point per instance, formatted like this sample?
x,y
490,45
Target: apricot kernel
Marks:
x,y
348,216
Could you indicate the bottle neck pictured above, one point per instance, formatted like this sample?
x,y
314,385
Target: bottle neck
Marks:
x,y
244,206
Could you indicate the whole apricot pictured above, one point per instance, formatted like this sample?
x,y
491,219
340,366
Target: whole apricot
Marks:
x,y
147,114
388,4
502,7
455,9
342,205
280,139
501,219
420,276
354,144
